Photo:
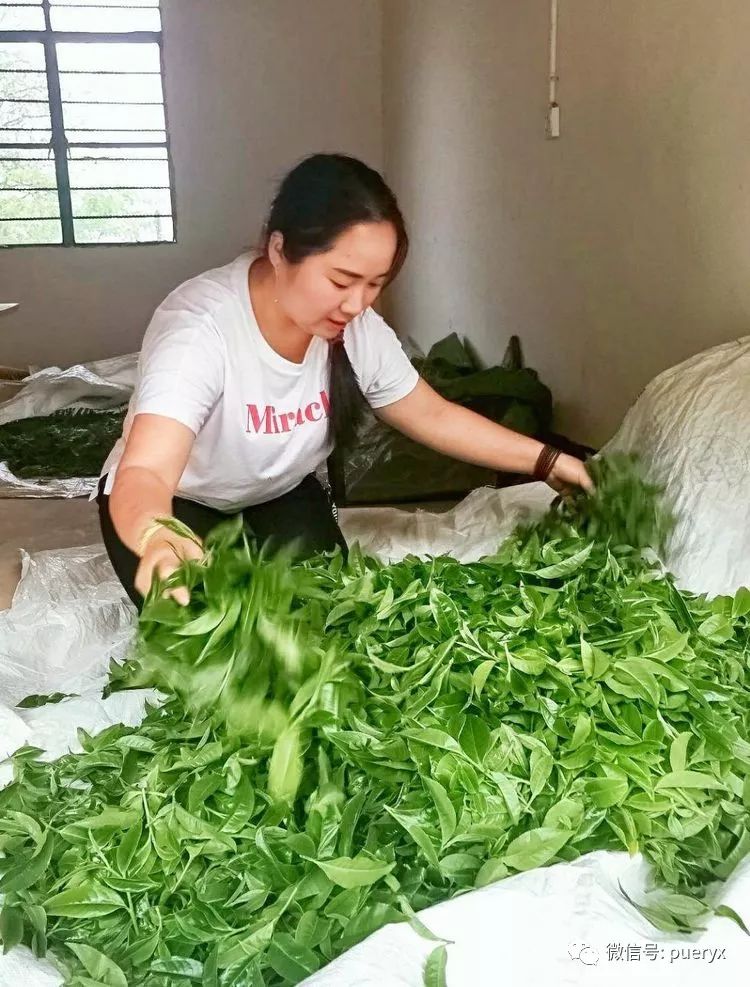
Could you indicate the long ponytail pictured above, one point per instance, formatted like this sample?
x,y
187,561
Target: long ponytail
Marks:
x,y
348,404
321,198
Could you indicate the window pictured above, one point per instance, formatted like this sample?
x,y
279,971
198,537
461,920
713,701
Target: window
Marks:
x,y
84,150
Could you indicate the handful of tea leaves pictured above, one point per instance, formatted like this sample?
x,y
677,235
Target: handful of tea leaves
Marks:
x,y
624,508
244,648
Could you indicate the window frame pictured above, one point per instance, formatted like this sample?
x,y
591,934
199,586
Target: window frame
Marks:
x,y
59,144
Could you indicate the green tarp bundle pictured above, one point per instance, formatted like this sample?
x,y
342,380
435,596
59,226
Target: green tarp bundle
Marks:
x,y
386,466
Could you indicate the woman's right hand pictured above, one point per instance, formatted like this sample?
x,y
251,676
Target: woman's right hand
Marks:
x,y
568,473
163,554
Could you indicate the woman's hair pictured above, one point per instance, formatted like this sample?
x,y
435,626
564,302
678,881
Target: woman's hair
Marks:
x,y
321,198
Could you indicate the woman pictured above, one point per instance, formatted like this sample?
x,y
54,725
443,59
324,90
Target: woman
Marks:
x,y
249,373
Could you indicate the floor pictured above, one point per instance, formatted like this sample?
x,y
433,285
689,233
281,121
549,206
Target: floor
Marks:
x,y
47,523
40,524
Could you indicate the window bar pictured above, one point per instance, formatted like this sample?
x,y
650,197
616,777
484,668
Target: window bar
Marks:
x,y
80,188
109,157
103,71
86,6
128,215
116,145
58,131
88,102
47,219
118,188
106,4
170,165
84,37
28,147
32,219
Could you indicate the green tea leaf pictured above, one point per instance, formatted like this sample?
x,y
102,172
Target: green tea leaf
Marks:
x,y
581,732
736,855
290,959
285,768
565,814
128,846
688,779
725,911
98,966
35,701
475,738
110,818
177,966
19,822
354,872
435,968
541,769
480,675
11,927
460,867
595,662
190,827
202,624
446,812
605,792
678,751
717,628
535,848
434,738
564,568
88,900
416,832
28,870
203,788
491,870
741,603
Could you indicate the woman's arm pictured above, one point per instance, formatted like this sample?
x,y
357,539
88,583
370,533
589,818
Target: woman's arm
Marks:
x,y
455,431
154,459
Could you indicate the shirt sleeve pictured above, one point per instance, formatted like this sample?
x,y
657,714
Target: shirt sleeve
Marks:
x,y
181,368
384,371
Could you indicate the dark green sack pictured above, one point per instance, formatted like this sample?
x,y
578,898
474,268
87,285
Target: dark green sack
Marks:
x,y
386,466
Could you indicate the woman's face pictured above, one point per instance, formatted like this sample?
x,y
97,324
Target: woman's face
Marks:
x,y
324,292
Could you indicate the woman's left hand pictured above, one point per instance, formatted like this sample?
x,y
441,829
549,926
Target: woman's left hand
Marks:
x,y
569,472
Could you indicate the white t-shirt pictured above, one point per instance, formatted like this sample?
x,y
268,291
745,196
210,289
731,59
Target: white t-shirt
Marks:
x,y
260,421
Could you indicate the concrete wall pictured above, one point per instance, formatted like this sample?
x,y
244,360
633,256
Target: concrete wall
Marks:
x,y
613,252
250,87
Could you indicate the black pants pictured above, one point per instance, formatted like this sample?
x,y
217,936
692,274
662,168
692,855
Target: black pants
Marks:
x,y
304,515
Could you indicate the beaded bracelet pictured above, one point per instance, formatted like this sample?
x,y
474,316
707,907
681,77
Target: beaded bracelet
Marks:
x,y
546,462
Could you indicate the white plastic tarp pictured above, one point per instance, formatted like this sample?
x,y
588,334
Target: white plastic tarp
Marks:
x,y
69,617
691,427
99,385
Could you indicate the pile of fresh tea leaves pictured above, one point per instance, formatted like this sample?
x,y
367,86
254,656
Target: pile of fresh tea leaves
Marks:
x,y
64,444
349,742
